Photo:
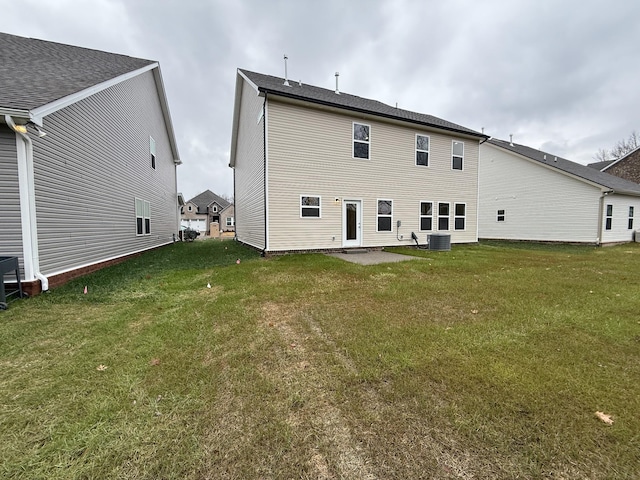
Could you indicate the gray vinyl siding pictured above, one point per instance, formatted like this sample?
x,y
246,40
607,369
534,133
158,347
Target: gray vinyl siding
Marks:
x,y
93,163
540,203
10,216
310,153
249,171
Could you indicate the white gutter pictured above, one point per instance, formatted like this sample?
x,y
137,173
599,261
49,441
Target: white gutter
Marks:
x,y
27,205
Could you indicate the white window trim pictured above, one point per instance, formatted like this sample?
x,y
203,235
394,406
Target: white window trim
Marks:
x,y
503,215
426,216
630,220
452,155
319,207
146,206
420,150
455,217
442,216
353,141
607,217
379,215
229,223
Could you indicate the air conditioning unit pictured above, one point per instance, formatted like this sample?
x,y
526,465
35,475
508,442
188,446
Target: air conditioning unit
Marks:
x,y
439,241
637,236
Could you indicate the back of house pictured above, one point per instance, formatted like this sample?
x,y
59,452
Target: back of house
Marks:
x,y
319,169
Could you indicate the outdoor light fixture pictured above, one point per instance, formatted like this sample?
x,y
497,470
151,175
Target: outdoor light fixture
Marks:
x,y
20,129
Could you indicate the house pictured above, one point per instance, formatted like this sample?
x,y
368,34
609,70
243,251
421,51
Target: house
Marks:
x,y
88,159
319,169
208,213
627,166
526,194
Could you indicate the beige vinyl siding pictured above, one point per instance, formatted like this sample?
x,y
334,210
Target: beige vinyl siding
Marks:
x,y
89,169
540,203
310,153
249,171
10,217
619,225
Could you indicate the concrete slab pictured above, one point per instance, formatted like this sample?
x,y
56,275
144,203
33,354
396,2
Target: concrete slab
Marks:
x,y
373,258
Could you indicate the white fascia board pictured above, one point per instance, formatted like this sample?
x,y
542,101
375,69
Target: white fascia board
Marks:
x,y
164,104
236,118
18,115
39,113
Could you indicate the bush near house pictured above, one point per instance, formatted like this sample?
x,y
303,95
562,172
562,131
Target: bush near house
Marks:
x,y
489,361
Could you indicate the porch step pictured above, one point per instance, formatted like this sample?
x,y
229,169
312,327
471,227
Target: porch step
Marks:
x,y
355,250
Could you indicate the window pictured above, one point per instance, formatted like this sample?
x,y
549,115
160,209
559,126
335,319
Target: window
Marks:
x,y
309,206
422,150
609,219
189,208
143,217
385,215
457,155
360,140
426,216
630,225
214,209
443,216
501,215
152,150
229,221
459,219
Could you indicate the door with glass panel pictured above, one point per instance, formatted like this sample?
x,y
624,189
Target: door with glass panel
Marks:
x,y
351,223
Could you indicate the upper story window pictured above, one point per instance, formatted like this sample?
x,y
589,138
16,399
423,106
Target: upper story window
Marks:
x,y
214,209
361,140
457,155
152,150
309,206
385,215
422,150
609,219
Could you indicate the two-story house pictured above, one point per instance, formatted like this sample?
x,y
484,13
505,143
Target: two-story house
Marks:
x,y
88,159
319,169
627,166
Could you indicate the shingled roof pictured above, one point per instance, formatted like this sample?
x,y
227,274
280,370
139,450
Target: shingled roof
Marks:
x,y
35,72
323,96
616,184
206,198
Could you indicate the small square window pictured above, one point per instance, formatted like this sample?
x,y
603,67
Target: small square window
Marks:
x,y
309,206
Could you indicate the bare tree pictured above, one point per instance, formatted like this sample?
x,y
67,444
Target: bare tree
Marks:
x,y
620,149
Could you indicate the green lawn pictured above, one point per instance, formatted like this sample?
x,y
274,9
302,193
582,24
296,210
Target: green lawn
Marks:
x,y
488,361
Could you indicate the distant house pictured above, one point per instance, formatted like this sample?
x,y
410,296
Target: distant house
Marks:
x,y
88,159
318,169
627,166
208,213
526,194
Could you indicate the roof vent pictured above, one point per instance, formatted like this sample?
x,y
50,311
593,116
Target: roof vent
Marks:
x,y
286,80
299,83
511,139
337,90
555,159
544,157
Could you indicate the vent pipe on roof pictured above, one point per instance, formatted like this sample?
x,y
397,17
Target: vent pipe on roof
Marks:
x,y
555,159
337,90
544,157
286,79
511,139
482,130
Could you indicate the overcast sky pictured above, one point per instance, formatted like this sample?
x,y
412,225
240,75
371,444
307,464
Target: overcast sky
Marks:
x,y
561,76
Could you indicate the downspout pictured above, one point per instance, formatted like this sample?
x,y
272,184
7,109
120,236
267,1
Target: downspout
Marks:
x,y
601,216
264,146
31,227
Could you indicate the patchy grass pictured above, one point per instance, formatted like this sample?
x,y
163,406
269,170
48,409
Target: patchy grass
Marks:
x,y
488,361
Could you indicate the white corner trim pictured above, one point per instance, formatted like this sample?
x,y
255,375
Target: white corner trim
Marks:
x,y
40,112
25,211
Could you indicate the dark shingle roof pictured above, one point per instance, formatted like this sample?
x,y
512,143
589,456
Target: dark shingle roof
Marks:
x,y
206,198
323,96
601,165
34,72
618,185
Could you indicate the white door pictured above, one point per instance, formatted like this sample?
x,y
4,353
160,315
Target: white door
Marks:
x,y
351,223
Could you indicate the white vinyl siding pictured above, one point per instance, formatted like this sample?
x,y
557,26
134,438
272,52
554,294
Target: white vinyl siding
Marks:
x,y
542,203
249,174
298,161
10,219
91,165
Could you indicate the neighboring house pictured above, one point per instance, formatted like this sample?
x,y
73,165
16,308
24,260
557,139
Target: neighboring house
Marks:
x,y
227,219
318,169
88,159
526,194
627,167
207,213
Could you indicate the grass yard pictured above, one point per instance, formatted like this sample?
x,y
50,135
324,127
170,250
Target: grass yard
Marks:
x,y
488,361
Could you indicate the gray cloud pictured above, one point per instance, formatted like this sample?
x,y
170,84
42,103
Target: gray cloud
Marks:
x,y
560,76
